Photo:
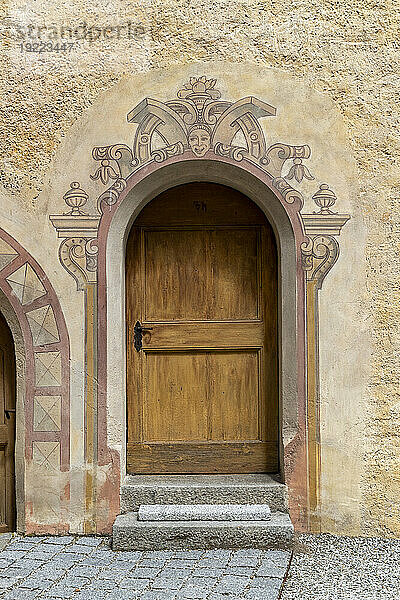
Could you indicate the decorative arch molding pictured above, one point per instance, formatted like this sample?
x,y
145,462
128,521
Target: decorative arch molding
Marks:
x,y
46,399
198,136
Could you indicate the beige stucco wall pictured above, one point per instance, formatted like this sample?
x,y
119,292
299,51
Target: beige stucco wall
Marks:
x,y
330,71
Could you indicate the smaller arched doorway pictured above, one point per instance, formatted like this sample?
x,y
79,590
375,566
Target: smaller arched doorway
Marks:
x,y
7,428
202,339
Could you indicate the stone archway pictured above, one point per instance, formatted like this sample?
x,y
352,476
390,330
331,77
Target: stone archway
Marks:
x,y
140,190
33,313
199,137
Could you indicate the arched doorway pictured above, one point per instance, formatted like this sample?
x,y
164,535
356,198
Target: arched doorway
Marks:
x,y
202,335
7,429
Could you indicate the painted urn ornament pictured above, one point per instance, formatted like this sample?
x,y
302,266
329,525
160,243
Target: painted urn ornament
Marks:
x,y
324,198
75,198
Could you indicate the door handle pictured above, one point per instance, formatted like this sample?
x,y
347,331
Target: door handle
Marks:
x,y
138,332
7,412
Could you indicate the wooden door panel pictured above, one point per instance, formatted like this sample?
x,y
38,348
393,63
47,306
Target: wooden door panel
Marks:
x,y
174,283
4,435
175,397
235,278
203,335
201,396
234,396
206,204
202,457
202,392
216,280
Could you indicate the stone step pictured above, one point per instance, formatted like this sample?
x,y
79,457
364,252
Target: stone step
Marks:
x,y
131,534
204,512
203,489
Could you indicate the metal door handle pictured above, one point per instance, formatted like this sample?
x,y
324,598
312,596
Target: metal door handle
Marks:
x,y
138,331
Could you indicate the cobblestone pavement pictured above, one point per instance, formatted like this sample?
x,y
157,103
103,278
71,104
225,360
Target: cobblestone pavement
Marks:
x,y
85,568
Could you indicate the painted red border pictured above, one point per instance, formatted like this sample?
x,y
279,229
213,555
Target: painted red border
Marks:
x,y
63,346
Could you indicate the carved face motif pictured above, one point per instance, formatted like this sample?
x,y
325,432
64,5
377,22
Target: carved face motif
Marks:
x,y
199,141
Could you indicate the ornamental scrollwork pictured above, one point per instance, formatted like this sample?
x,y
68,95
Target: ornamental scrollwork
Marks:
x,y
234,152
78,256
163,153
91,253
276,156
199,121
319,254
290,194
111,195
116,162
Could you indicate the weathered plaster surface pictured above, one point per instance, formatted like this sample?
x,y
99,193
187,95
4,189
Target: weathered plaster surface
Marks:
x,y
349,53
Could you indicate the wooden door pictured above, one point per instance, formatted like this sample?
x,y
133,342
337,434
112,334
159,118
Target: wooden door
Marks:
x,y
202,393
7,428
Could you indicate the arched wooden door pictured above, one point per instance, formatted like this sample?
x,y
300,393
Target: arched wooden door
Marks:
x,y
7,428
202,361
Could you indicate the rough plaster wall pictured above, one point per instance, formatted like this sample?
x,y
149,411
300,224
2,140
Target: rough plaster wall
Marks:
x,y
349,51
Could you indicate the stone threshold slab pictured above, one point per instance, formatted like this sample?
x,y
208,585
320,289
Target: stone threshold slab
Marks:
x,y
209,480
204,512
131,534
203,489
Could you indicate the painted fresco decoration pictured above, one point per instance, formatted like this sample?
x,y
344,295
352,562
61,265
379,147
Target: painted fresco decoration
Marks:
x,y
47,346
47,377
199,122
196,125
